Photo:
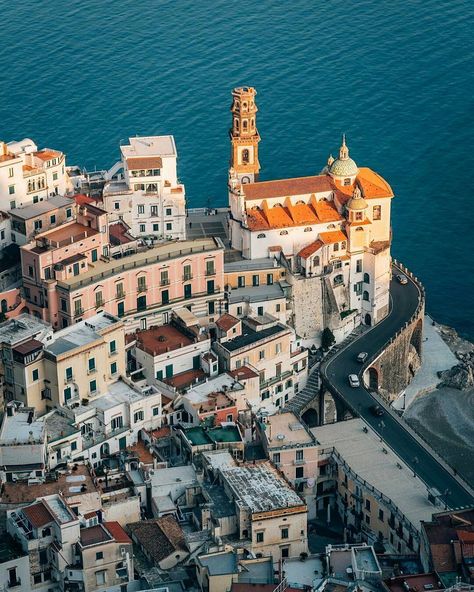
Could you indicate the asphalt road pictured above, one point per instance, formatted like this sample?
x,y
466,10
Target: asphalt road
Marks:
x,y
404,301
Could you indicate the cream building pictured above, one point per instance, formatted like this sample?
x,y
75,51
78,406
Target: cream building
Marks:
x,y
331,231
144,190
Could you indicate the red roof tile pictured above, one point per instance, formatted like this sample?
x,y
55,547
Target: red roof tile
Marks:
x,y
38,514
117,532
144,162
242,373
287,187
310,249
226,322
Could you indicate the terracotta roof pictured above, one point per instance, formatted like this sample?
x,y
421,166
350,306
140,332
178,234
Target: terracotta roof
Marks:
x,y
47,154
144,162
184,379
334,236
141,450
93,535
119,233
242,373
310,249
89,515
28,346
117,532
159,538
163,432
287,187
82,199
38,514
159,340
226,322
371,183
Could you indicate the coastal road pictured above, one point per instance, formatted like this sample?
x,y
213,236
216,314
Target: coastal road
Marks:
x,y
390,427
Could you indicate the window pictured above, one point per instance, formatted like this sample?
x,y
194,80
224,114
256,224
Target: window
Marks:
x,y
284,533
269,279
100,577
210,267
52,219
261,235
69,213
94,255
156,227
210,287
38,224
169,226
367,519
69,373
241,281
91,364
359,216
276,457
211,307
365,296
11,172
299,472
347,182
255,280
187,274
93,386
155,411
117,422
116,205
11,189
381,515
35,374
99,555
159,374
36,578
141,209
300,455
261,354
138,416
358,288
358,265
55,176
67,394
283,232
367,505
30,271
154,210
278,308
74,445
260,537
366,278
78,307
260,311
119,291
113,368
165,297
142,228
141,303
169,211
99,301
377,213
112,347
338,280
141,285
265,395
164,278
278,350
285,552
239,310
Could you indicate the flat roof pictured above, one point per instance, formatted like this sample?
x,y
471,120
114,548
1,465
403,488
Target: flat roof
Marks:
x,y
363,453
285,429
160,253
71,232
162,339
21,428
149,146
80,334
219,563
256,293
21,328
251,337
42,207
120,392
260,488
419,582
250,264
222,382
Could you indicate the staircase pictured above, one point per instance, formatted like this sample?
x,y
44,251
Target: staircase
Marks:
x,y
301,399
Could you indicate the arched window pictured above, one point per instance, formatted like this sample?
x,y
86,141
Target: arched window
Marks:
x,y
46,532
244,124
331,226
343,245
316,261
29,185
4,306
245,156
366,295
261,235
257,208
308,229
244,106
336,247
366,278
359,228
277,205
347,182
236,124
338,279
283,232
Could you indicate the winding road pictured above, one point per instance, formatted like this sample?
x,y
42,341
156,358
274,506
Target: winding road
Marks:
x,y
390,427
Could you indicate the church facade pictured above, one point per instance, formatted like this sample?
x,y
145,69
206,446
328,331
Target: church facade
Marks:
x,y
331,231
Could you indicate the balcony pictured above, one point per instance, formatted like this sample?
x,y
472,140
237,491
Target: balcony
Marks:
x,y
210,272
69,379
187,277
276,379
297,462
99,303
78,311
120,294
142,288
14,583
165,282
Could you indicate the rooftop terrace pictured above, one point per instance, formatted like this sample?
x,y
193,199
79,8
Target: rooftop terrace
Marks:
x,y
161,253
42,207
21,328
250,337
285,429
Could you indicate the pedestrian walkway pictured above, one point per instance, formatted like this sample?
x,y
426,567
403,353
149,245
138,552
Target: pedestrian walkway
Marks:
x,y
436,357
200,224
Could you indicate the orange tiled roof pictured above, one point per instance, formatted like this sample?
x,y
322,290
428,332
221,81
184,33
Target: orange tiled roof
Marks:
x,y
47,154
310,249
288,215
226,322
144,162
38,514
334,236
372,184
117,532
286,187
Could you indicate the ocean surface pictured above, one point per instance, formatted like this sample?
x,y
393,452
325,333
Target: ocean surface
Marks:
x,y
396,77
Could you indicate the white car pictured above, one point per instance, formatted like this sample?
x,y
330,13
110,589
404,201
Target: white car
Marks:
x,y
402,279
354,380
362,357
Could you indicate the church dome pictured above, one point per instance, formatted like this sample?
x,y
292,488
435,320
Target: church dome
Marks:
x,y
357,202
343,166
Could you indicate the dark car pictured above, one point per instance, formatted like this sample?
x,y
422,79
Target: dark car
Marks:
x,y
376,410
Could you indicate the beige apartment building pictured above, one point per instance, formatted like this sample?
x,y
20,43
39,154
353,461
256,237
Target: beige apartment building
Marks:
x,y
294,450
76,363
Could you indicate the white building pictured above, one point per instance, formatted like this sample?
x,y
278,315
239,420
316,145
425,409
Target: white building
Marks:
x,y
144,190
29,175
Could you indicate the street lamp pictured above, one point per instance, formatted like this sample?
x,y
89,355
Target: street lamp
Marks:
x,y
415,464
381,426
446,493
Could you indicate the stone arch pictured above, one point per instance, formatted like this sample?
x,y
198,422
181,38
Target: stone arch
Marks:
x,y
417,336
373,379
368,319
310,417
104,450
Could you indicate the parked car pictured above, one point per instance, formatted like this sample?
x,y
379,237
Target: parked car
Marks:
x,y
354,380
376,410
402,279
362,357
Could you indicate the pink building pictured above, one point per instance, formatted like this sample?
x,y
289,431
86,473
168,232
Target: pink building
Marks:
x,y
68,276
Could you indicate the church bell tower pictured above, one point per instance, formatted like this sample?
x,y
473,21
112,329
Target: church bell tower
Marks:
x,y
244,136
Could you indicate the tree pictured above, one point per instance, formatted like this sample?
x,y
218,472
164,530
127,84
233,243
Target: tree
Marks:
x,y
327,339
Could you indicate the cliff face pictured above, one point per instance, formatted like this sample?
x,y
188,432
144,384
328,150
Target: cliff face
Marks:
x,y
461,376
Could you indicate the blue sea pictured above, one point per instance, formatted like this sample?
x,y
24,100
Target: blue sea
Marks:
x,y
397,77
